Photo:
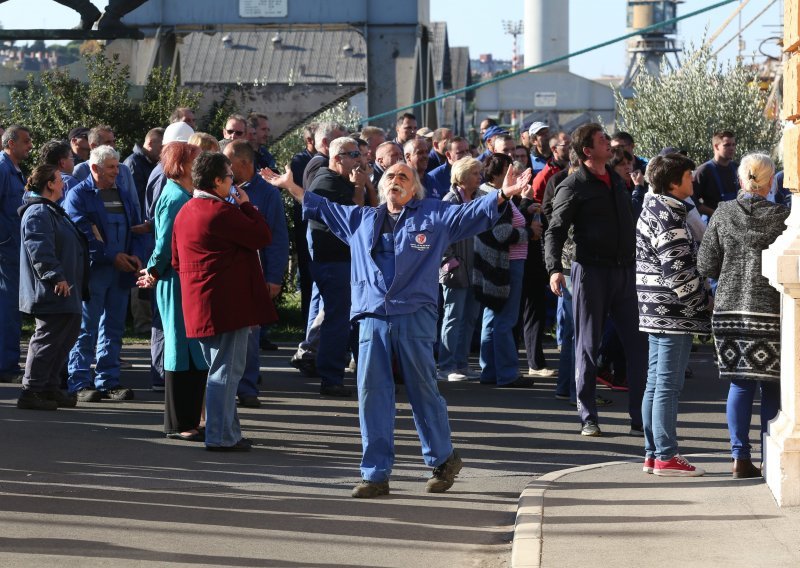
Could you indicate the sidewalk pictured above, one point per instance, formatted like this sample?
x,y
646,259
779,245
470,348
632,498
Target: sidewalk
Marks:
x,y
615,515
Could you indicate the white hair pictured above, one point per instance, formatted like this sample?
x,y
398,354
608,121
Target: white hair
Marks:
x,y
102,153
324,132
336,146
419,189
755,173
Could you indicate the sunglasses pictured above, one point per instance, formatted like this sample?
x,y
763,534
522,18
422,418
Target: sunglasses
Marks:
x,y
237,132
353,154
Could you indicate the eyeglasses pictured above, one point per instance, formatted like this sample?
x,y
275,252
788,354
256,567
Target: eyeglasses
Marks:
x,y
236,132
229,176
353,154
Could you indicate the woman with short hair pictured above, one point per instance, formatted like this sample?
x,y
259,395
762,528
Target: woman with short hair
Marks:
x,y
746,319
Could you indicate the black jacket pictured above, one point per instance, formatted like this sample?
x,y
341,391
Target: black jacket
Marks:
x,y
604,228
325,246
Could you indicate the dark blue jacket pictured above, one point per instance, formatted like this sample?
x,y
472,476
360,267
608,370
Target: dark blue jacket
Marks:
x,y
441,178
267,199
12,187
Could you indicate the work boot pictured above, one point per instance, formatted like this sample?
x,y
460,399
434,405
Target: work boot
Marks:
x,y
88,11
30,400
444,475
744,469
369,489
116,9
61,399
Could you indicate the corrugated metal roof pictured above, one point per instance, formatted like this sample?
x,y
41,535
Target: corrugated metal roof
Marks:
x,y
302,56
440,55
460,68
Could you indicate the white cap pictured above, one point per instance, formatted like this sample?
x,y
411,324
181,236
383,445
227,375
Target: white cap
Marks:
x,y
177,132
536,127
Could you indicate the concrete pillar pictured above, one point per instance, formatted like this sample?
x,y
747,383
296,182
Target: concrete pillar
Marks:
x,y
781,265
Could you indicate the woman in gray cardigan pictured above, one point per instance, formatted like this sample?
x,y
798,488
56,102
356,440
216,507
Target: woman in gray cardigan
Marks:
x,y
746,319
54,268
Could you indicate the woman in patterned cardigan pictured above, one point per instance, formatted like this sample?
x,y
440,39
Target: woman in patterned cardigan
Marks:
x,y
673,305
746,319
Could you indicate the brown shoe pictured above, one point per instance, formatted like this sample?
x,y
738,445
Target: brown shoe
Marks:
x,y
744,469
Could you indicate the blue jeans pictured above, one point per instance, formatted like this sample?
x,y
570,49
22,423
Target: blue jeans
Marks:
x,y
408,339
565,383
333,280
10,319
248,386
740,410
225,355
669,356
102,326
461,310
499,357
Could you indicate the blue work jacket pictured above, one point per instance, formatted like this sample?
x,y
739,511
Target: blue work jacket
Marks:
x,y
441,178
267,199
12,188
423,231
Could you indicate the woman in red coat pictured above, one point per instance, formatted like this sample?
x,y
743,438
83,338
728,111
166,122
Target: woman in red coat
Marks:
x,y
215,252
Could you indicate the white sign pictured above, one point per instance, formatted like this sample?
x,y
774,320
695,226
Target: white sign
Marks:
x,y
263,8
545,99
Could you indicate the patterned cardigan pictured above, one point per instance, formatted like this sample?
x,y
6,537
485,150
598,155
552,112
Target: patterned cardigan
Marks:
x,y
672,294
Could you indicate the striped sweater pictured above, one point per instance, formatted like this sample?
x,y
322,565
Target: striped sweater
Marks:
x,y
672,294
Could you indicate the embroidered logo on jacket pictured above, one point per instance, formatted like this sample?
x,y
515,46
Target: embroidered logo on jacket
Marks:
x,y
420,242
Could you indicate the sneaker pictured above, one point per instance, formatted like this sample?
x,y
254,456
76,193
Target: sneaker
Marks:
x,y
307,367
117,393
443,376
335,390
89,394
605,378
649,464
369,489
444,475
676,467
545,372
30,400
590,428
61,399
469,373
455,376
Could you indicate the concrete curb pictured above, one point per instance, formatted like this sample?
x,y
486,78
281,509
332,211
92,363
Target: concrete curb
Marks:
x,y
526,549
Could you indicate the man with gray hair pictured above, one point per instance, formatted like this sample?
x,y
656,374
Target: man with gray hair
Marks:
x,y
17,146
416,154
396,252
108,216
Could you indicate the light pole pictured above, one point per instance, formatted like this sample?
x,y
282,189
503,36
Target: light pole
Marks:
x,y
514,28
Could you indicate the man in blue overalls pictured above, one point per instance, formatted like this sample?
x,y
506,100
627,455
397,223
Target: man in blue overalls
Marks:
x,y
109,216
17,145
396,250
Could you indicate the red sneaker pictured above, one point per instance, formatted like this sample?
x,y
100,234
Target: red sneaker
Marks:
x,y
649,464
605,378
677,467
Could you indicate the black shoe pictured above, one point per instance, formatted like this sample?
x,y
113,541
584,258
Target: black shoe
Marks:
x,y
89,394
62,400
267,345
307,367
335,390
13,377
369,489
242,445
444,475
117,393
519,383
249,401
30,400
196,436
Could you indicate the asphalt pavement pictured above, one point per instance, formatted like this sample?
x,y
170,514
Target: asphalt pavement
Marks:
x,y
100,485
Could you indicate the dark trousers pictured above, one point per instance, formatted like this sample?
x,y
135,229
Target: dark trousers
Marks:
x,y
184,392
303,266
597,291
50,344
534,310
156,346
336,335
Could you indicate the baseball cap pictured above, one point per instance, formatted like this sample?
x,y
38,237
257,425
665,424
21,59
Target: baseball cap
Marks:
x,y
493,131
425,132
536,127
177,132
78,132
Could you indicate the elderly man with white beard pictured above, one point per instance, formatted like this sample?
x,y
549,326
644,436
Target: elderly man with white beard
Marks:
x,y
396,249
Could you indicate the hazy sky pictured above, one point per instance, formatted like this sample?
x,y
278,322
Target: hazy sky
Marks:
x,y
478,25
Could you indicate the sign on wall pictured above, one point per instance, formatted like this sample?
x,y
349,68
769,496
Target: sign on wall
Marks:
x,y
263,8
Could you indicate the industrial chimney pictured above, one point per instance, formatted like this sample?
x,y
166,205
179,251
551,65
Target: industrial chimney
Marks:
x,y
546,32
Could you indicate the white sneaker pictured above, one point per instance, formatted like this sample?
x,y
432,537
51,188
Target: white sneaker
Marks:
x,y
456,376
469,374
545,373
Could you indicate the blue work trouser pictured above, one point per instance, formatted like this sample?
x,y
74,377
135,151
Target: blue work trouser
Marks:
x,y
499,357
225,355
666,371
10,320
596,292
333,280
248,386
461,310
565,383
408,339
739,412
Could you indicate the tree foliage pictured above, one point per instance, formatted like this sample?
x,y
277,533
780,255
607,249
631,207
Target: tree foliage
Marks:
x,y
682,108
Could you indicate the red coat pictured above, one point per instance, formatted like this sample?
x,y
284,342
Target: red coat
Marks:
x,y
215,252
540,180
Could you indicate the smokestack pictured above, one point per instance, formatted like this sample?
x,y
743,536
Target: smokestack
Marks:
x,y
546,32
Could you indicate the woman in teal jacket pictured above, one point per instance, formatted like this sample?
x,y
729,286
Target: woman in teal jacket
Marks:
x,y
185,369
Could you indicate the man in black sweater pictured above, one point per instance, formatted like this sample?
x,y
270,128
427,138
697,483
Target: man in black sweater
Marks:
x,y
594,201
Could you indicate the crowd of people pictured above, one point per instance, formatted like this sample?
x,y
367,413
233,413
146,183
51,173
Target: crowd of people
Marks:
x,y
413,249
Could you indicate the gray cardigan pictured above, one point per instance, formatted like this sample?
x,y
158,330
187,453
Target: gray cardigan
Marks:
x,y
461,250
